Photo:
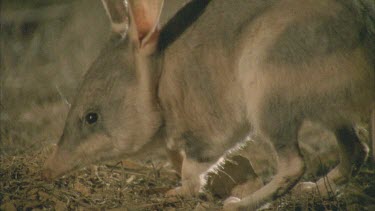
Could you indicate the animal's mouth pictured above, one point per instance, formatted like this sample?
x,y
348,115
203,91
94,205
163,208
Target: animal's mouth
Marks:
x,y
57,165
97,149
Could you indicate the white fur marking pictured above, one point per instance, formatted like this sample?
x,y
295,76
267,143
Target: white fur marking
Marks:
x,y
218,166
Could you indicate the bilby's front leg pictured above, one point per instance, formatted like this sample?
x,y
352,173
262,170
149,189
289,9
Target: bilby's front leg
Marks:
x,y
176,158
188,155
190,181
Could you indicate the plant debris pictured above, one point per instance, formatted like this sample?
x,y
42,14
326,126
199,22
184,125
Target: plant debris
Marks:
x,y
125,185
128,185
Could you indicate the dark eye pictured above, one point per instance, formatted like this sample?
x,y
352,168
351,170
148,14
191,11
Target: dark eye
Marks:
x,y
91,118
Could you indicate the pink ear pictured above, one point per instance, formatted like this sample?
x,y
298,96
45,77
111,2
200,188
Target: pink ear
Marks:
x,y
143,23
145,15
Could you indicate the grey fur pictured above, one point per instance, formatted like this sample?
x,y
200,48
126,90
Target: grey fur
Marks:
x,y
261,66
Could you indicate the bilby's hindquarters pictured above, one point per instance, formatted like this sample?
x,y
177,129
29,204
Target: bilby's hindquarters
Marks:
x,y
365,11
317,65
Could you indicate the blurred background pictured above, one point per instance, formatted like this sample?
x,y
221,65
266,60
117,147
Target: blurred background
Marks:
x,y
46,47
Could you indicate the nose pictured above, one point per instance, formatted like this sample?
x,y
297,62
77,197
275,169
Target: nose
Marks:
x,y
52,166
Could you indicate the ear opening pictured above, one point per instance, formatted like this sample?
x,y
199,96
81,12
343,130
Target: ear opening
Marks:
x,y
144,20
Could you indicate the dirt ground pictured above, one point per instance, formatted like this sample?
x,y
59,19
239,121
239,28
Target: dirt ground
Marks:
x,y
129,185
46,47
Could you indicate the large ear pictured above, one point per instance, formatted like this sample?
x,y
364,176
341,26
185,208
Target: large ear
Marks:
x,y
144,21
117,11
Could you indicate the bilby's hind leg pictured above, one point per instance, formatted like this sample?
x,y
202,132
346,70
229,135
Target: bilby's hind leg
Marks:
x,y
290,168
353,153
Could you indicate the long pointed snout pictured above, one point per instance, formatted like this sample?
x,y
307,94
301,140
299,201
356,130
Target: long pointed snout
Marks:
x,y
56,165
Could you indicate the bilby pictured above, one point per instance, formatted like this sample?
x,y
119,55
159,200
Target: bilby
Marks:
x,y
217,70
